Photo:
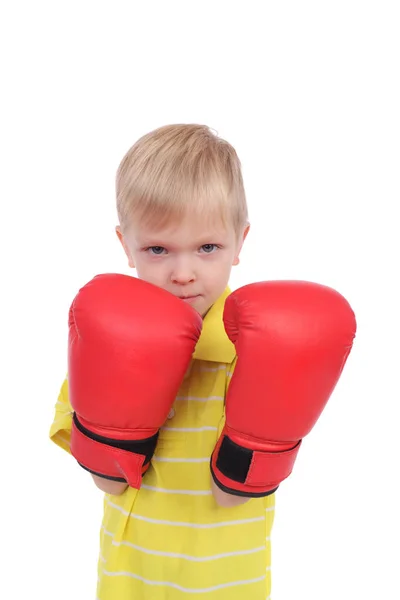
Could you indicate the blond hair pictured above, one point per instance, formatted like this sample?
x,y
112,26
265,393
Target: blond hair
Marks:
x,y
180,168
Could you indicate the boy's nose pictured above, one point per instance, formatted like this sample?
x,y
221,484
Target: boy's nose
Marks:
x,y
182,274
182,278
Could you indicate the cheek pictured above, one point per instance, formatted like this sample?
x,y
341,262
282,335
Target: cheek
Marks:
x,y
217,275
148,271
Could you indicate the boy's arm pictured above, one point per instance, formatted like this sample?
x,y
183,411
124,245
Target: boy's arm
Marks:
x,y
226,500
222,498
60,434
115,488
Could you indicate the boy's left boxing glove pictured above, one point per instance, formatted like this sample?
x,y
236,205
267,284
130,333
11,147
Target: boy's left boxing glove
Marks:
x,y
292,340
130,344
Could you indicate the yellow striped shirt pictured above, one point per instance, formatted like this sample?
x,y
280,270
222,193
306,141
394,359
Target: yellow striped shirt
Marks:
x,y
170,540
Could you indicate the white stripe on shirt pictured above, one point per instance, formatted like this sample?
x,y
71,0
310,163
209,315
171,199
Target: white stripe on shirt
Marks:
x,y
179,587
196,525
213,369
180,460
199,399
190,428
183,523
184,492
62,438
188,556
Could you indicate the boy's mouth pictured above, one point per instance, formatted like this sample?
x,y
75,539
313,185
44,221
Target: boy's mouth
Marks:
x,y
189,299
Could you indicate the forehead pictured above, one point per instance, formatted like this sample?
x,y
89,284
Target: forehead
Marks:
x,y
190,229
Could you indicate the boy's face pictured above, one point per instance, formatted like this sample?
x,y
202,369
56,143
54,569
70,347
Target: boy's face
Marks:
x,y
190,259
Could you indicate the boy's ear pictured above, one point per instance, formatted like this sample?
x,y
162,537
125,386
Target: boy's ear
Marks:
x,y
125,246
236,260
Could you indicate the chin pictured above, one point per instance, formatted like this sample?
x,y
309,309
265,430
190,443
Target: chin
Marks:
x,y
204,310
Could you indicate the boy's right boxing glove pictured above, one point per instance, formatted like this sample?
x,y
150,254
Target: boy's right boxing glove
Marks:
x,y
130,344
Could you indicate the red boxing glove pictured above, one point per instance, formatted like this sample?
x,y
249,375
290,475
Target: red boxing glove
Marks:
x,y
292,340
130,344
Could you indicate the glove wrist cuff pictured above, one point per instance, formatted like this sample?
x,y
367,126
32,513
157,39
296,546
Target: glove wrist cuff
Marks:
x,y
241,471
119,460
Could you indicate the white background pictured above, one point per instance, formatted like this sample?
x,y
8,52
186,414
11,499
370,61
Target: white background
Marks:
x,y
308,93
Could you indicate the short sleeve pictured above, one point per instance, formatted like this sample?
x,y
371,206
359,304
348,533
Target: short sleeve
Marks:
x,y
60,430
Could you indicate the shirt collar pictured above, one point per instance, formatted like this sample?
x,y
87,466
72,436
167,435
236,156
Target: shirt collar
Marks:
x,y
214,344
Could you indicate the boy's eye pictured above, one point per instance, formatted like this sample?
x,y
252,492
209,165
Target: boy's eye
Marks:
x,y
208,248
156,249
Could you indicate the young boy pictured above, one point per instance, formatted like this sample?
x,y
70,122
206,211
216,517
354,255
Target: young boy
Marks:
x,y
150,363
183,219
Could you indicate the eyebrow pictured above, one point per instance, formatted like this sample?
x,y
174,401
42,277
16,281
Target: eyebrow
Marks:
x,y
201,241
